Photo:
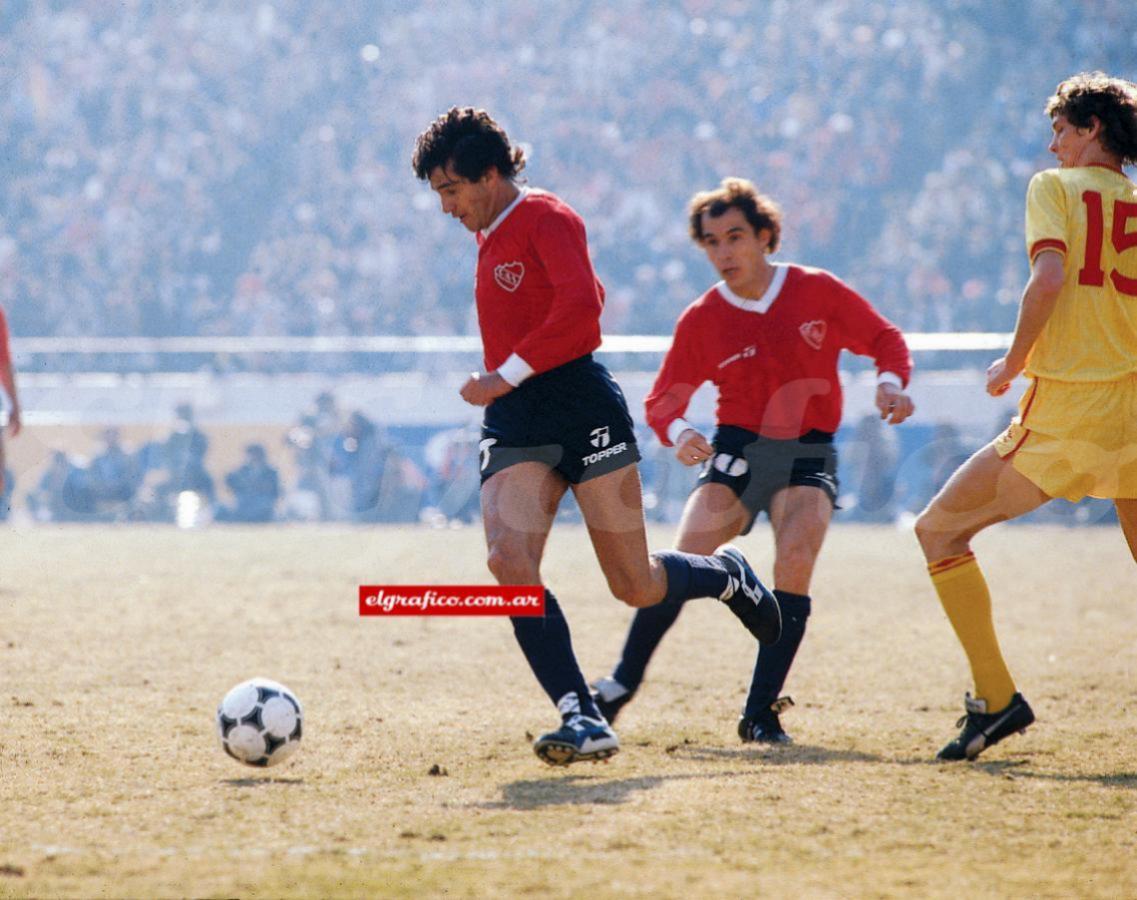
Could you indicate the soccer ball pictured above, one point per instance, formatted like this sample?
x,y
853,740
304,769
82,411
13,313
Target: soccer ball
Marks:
x,y
258,722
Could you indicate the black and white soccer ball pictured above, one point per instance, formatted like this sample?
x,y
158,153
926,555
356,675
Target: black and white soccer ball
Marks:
x,y
259,722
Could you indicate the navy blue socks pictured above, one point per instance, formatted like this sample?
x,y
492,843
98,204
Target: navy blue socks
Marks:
x,y
648,628
774,661
689,575
547,645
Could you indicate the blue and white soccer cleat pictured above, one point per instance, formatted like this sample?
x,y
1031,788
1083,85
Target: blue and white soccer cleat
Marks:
x,y
748,598
580,739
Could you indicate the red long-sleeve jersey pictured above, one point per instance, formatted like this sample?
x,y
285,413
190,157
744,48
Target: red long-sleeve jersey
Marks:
x,y
774,360
537,295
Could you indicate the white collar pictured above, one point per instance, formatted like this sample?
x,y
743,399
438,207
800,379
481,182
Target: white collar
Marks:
x,y
522,193
763,303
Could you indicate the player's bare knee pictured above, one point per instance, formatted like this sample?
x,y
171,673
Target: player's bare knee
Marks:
x,y
637,599
632,591
934,537
925,533
511,565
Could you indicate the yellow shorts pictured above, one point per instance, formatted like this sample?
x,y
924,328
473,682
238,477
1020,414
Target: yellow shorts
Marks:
x,y
1074,439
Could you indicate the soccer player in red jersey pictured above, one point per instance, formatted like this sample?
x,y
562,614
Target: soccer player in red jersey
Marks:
x,y
768,336
9,399
555,419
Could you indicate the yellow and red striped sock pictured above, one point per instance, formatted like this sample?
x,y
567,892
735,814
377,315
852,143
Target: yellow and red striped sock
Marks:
x,y
963,592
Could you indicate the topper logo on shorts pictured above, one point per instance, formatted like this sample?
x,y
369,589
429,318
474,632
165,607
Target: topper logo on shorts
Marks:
x,y
813,333
600,437
508,275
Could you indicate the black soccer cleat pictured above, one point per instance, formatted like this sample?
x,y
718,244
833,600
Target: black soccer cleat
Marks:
x,y
610,697
981,729
766,727
748,598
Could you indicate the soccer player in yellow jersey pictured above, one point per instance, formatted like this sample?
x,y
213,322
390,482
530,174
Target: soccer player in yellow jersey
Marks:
x,y
1076,339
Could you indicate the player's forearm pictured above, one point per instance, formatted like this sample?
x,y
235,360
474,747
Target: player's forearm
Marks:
x,y
891,354
661,413
1038,302
667,400
570,329
8,380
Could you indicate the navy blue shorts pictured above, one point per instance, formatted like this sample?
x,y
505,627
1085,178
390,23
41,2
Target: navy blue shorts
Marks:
x,y
573,418
756,467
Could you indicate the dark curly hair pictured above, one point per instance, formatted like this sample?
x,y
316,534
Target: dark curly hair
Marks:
x,y
469,140
736,193
1112,100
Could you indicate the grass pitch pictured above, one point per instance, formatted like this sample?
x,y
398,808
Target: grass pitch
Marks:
x,y
116,645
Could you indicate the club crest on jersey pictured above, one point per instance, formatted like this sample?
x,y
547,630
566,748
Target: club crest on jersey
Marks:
x,y
508,275
813,333
599,437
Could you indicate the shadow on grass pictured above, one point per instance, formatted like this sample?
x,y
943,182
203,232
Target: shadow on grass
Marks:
x,y
583,790
259,782
1013,768
793,754
1016,767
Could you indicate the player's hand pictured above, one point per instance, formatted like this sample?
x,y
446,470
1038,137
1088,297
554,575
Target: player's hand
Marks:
x,y
1000,375
895,406
14,422
484,388
693,448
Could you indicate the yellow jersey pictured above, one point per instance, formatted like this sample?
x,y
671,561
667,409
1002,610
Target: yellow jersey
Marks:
x,y
1088,214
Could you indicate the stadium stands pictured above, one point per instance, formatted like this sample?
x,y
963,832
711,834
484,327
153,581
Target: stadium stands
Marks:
x,y
221,169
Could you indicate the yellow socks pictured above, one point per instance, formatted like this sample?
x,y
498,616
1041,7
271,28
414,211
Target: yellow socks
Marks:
x,y
963,592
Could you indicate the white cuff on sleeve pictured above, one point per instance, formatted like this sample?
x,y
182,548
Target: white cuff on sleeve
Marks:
x,y
890,378
515,370
676,428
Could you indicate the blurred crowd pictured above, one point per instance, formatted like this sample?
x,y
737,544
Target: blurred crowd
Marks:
x,y
222,168
343,466
345,470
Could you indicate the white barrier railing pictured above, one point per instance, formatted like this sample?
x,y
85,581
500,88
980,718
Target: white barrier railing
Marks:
x,y
619,343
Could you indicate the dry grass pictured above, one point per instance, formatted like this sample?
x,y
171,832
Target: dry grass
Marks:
x,y
115,646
